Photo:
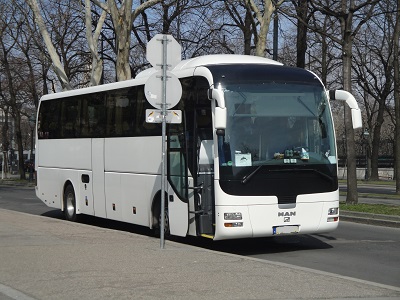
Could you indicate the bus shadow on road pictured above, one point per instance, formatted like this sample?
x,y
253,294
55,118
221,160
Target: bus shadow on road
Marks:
x,y
267,245
103,223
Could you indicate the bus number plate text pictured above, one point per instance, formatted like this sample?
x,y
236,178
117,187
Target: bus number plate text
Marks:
x,y
285,229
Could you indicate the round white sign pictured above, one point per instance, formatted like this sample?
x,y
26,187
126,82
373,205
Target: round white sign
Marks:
x,y
153,90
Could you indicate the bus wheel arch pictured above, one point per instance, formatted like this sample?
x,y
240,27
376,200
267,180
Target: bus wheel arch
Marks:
x,y
69,202
156,214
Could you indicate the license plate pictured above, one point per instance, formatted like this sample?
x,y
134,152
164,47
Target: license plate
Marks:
x,y
289,229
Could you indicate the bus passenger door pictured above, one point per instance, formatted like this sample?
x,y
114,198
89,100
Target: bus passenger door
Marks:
x,y
178,211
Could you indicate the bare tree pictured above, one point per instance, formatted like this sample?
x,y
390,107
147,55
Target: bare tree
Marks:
x,y
12,66
396,50
57,65
123,18
351,15
303,17
242,18
374,70
93,41
263,15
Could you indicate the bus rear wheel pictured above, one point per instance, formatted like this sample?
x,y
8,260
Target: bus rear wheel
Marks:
x,y
70,204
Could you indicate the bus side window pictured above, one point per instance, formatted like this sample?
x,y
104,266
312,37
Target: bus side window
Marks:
x,y
96,115
70,119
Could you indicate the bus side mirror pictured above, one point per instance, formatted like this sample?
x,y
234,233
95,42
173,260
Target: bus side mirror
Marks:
x,y
351,102
218,95
220,118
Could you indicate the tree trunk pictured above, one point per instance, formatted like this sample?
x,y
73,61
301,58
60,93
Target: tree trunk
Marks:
x,y
396,37
352,194
247,32
301,10
264,19
14,107
18,135
262,34
97,62
375,143
6,141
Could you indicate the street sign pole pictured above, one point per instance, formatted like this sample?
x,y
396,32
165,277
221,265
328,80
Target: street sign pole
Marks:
x,y
164,134
170,89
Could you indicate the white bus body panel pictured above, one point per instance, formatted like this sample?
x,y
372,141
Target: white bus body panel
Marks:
x,y
124,177
139,155
65,154
261,213
76,160
132,166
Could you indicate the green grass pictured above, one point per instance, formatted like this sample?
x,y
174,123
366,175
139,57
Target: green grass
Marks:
x,y
381,209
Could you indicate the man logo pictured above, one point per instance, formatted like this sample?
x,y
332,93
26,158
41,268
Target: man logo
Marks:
x,y
287,214
286,219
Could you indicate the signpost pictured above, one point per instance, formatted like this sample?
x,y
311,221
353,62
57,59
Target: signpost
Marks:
x,y
164,53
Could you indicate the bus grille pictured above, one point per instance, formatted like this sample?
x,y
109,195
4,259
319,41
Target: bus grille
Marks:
x,y
287,199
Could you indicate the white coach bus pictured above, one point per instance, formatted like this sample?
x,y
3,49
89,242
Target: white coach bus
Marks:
x,y
254,156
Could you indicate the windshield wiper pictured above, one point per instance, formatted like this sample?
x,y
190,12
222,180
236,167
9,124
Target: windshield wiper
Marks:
x,y
250,175
305,170
247,177
306,107
240,105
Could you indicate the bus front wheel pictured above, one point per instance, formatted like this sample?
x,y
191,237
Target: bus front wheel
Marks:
x,y
70,204
157,215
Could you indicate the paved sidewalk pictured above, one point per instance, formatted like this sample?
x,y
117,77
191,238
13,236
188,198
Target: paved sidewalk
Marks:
x,y
44,258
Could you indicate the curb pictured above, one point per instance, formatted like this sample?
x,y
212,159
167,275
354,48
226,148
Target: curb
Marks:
x,y
371,219
7,182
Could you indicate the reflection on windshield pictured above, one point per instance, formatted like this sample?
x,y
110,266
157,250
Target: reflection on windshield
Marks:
x,y
287,125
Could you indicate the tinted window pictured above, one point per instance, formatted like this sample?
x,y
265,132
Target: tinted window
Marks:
x,y
116,113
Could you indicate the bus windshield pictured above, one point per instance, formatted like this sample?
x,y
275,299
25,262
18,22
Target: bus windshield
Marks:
x,y
277,124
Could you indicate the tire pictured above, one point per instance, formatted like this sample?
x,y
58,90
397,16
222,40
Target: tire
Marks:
x,y
70,204
157,216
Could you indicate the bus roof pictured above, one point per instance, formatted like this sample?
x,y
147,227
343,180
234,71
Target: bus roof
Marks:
x,y
215,59
222,59
189,64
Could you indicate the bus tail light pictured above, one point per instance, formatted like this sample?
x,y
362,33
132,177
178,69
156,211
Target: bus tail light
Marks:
x,y
334,211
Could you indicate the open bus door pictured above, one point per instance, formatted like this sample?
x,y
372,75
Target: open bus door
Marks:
x,y
178,207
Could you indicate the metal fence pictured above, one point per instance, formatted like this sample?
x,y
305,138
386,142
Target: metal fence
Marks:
x,y
386,153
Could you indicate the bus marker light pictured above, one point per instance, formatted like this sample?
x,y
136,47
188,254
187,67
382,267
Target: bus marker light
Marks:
x,y
234,224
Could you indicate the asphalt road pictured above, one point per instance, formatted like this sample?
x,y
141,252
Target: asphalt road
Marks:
x,y
355,250
372,189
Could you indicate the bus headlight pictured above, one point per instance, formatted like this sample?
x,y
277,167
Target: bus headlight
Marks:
x,y
333,211
233,216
